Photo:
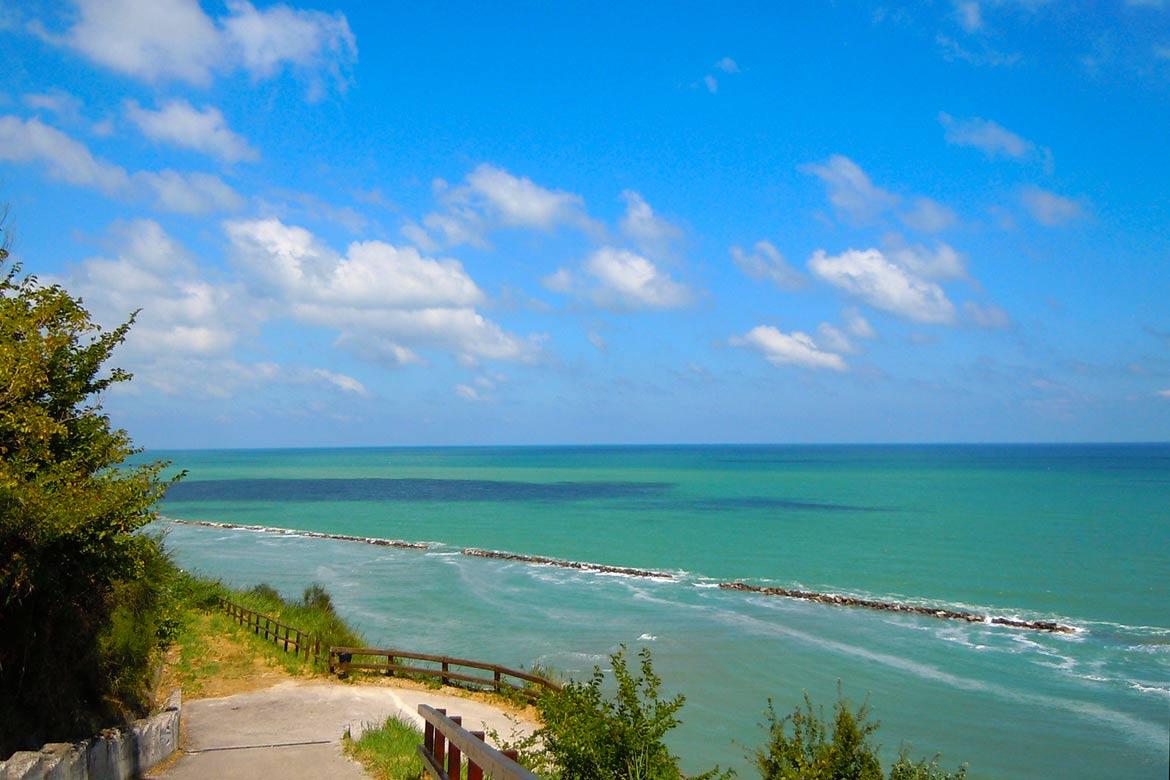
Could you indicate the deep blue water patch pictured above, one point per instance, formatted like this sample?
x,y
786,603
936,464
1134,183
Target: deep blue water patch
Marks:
x,y
406,490
768,502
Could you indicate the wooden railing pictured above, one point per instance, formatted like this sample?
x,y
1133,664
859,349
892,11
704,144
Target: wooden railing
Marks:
x,y
293,639
446,742
341,660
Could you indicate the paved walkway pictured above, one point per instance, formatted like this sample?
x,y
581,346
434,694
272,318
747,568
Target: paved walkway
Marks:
x,y
293,730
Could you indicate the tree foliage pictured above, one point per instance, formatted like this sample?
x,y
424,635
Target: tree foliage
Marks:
x,y
82,595
590,736
801,746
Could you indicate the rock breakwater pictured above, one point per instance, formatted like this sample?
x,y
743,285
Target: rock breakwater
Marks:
x,y
893,606
308,534
579,565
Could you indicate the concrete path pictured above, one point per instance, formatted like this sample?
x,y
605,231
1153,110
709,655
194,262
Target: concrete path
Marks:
x,y
293,730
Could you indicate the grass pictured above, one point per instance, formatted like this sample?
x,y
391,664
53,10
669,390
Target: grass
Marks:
x,y
389,752
213,655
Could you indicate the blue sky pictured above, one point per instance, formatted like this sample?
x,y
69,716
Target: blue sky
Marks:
x,y
365,224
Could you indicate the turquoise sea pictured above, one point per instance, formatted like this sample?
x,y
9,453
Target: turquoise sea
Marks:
x,y
1076,534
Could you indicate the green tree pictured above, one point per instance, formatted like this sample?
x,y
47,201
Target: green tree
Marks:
x,y
588,736
82,596
810,752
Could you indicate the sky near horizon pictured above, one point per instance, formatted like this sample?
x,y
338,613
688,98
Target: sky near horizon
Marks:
x,y
378,224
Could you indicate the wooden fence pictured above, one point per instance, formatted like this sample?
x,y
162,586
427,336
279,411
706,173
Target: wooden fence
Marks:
x,y
341,659
293,639
446,742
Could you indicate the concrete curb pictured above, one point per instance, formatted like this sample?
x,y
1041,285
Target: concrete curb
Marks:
x,y
115,754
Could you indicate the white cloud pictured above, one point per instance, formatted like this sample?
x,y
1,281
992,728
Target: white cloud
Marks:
x,y
181,124
161,40
969,15
467,393
711,83
940,263
766,262
857,325
797,349
372,274
832,339
851,192
183,318
987,316
929,216
384,300
55,102
987,136
341,381
597,340
1050,209
727,65
189,193
492,198
985,55
1164,393
628,280
871,277
559,281
29,141
652,234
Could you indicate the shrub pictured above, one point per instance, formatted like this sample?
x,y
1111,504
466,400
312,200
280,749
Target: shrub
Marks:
x,y
587,736
82,596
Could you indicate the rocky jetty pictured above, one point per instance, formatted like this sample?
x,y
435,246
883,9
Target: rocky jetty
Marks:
x,y
893,606
581,565
309,534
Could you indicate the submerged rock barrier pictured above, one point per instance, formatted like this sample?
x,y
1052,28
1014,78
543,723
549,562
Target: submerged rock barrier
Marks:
x,y
893,606
308,534
580,565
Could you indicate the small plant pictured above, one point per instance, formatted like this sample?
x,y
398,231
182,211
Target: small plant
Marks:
x,y
587,736
389,752
801,747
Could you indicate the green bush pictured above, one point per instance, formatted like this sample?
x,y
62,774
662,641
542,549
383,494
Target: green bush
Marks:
x,y
588,736
801,747
83,598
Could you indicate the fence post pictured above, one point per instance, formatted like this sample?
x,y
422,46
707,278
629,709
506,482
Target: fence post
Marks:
x,y
474,771
496,677
440,743
454,757
389,662
446,680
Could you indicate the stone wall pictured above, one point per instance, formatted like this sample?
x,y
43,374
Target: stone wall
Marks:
x,y
116,754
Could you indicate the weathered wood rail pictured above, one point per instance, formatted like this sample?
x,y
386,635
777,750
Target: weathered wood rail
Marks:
x,y
293,639
341,660
446,742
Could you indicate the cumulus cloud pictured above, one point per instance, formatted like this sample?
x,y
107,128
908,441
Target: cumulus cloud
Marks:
x,y
850,190
987,316
766,262
66,159
796,349
630,281
559,281
651,233
871,277
180,124
1164,393
493,198
467,393
188,193
727,65
857,325
341,381
969,15
940,263
989,137
187,325
31,140
162,40
1050,209
929,216
385,301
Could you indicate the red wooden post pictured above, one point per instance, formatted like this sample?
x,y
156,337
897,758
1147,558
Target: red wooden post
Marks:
x,y
496,675
446,680
429,737
474,770
454,757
